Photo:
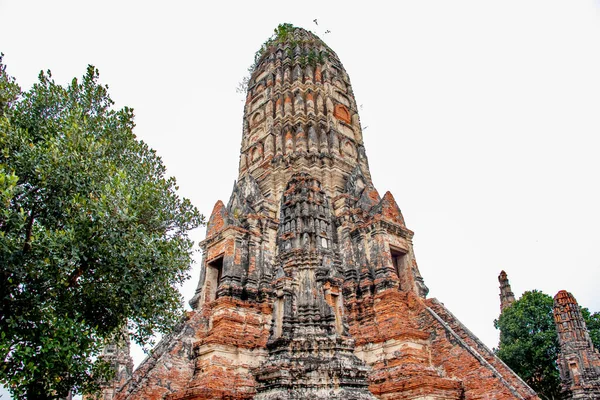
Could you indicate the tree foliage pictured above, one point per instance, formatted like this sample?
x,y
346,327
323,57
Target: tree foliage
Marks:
x,y
93,236
529,342
592,321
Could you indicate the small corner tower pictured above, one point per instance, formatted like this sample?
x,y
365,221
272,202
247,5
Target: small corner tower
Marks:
x,y
117,354
578,360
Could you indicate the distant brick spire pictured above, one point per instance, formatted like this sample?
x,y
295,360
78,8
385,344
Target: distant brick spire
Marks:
x,y
578,361
507,297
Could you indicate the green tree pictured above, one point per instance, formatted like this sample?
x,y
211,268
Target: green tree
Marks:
x,y
592,321
93,237
529,343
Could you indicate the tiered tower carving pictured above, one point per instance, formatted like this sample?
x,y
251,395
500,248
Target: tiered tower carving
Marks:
x,y
578,360
309,285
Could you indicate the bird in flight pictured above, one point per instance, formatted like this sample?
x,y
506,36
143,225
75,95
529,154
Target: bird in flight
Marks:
x,y
315,21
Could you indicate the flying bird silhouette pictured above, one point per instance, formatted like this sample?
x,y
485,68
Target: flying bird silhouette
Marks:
x,y
315,21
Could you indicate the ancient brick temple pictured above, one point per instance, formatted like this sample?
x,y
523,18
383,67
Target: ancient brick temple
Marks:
x,y
578,360
309,285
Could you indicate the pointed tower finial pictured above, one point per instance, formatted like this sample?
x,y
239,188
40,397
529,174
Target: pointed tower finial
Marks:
x,y
507,297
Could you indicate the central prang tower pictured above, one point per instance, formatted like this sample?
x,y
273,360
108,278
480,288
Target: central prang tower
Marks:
x,y
309,286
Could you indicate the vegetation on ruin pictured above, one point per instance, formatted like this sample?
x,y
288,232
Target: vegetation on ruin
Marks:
x,y
283,34
93,236
529,342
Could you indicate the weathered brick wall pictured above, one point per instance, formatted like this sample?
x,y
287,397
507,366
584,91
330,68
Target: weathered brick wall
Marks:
x,y
417,347
388,339
463,356
225,357
168,367
209,356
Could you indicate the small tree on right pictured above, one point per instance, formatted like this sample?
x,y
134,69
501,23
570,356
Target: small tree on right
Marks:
x,y
528,343
592,321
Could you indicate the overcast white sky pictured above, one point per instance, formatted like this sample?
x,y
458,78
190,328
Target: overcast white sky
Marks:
x,y
481,117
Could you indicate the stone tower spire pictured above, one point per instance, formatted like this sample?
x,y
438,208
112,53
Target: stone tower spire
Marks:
x,y
309,287
578,361
507,297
